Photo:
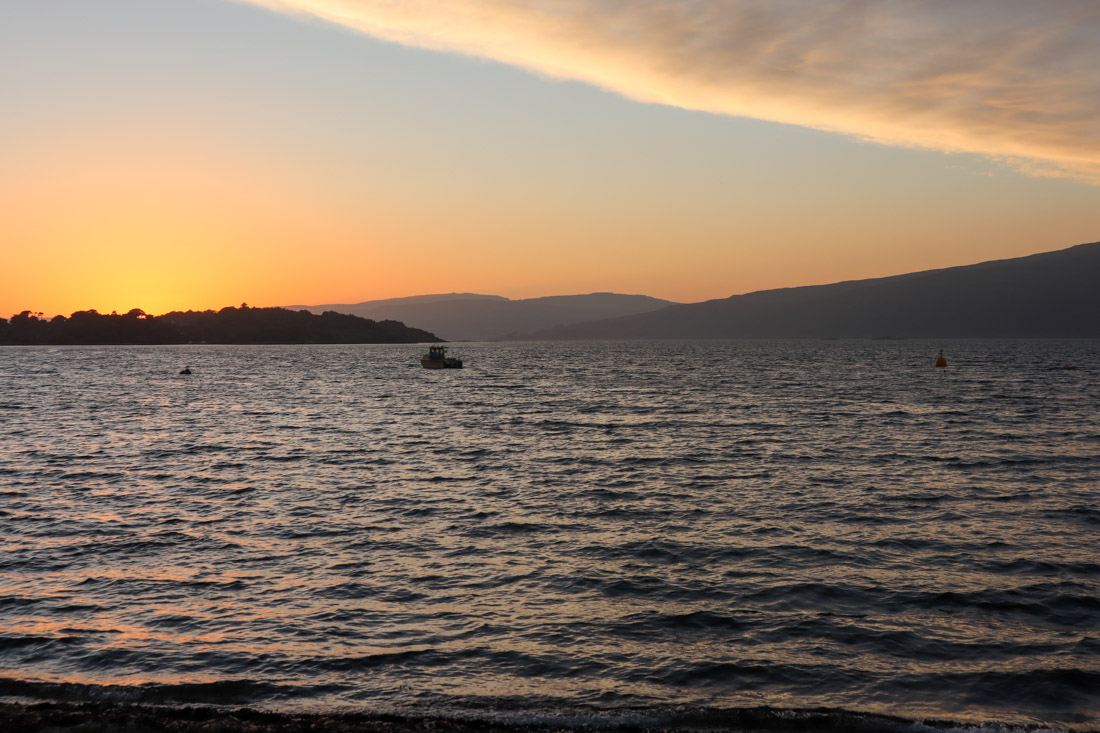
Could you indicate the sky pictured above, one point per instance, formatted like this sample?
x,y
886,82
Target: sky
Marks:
x,y
193,154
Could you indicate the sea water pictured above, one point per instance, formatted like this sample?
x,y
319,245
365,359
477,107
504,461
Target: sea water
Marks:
x,y
660,532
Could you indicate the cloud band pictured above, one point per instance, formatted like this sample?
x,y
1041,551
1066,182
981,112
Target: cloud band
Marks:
x,y
1011,79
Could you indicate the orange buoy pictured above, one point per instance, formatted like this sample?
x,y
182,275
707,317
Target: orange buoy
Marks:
x,y
941,362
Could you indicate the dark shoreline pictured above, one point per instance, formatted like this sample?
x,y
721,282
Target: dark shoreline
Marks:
x,y
105,717
116,717
244,325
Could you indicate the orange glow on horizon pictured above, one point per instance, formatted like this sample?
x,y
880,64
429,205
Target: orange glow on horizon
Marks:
x,y
297,163
203,221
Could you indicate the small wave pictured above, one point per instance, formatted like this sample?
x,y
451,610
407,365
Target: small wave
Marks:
x,y
503,529
17,641
227,692
172,707
643,625
1080,512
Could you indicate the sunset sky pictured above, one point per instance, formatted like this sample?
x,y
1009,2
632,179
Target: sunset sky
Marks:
x,y
172,154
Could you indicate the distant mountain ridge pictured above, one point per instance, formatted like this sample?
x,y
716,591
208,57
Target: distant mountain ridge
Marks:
x,y
473,317
1051,294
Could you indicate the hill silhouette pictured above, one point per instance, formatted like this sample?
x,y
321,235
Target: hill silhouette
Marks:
x,y
1048,295
472,317
231,325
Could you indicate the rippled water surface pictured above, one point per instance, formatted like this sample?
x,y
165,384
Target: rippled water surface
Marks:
x,y
563,528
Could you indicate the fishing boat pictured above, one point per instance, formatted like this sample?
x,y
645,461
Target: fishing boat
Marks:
x,y
437,358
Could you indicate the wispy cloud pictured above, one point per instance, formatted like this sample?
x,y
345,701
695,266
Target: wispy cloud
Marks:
x,y
1012,79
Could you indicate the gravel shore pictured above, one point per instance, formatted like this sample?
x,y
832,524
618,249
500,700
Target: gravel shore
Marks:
x,y
115,717
94,717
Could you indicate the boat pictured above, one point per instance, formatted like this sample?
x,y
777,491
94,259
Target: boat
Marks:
x,y
437,358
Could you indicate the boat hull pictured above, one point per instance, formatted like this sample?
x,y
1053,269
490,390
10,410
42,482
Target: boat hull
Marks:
x,y
441,363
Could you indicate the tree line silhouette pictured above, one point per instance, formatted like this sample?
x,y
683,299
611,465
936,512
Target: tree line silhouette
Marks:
x,y
232,325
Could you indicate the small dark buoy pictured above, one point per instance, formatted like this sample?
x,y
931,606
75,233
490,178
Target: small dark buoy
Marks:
x,y
941,362
185,370
1070,366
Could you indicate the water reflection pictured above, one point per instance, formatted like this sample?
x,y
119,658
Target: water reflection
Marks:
x,y
705,524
